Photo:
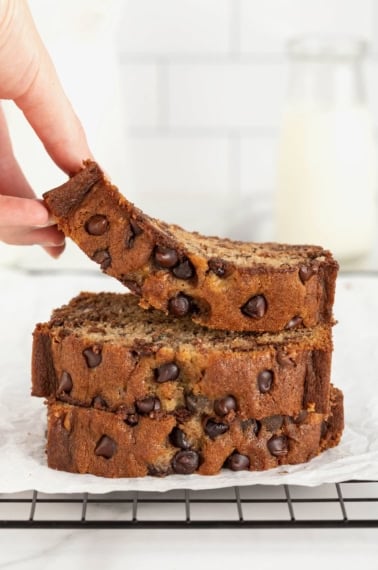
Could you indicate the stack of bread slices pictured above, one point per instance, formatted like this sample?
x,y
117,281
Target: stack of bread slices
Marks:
x,y
220,357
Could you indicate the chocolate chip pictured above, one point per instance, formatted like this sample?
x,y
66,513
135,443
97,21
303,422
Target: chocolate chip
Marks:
x,y
180,305
273,423
93,356
65,384
99,403
294,322
97,225
102,256
185,462
223,406
165,257
238,462
220,267
213,428
278,445
166,372
255,307
106,447
178,438
265,380
196,404
184,270
306,272
148,405
132,420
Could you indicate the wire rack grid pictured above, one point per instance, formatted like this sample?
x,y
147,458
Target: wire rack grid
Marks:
x,y
353,504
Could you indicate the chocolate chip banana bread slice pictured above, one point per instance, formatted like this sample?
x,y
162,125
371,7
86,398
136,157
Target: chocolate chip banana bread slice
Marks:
x,y
219,283
103,350
85,440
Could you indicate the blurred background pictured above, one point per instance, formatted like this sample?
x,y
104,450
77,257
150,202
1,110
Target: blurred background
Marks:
x,y
188,105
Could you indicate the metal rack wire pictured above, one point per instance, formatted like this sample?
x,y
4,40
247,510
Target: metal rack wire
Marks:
x,y
353,504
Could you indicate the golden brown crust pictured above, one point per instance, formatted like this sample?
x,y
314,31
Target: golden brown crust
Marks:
x,y
266,374
84,440
219,277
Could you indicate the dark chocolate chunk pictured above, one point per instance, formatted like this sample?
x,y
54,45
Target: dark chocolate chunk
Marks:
x,y
220,267
106,447
178,438
97,225
213,428
148,405
184,270
196,404
65,384
165,257
180,305
265,380
294,322
255,307
131,420
103,258
185,462
166,372
278,445
99,403
223,406
306,272
93,356
273,423
238,462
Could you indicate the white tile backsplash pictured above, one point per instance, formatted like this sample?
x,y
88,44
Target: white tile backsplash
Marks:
x,y
140,94
166,165
258,159
266,26
232,95
175,27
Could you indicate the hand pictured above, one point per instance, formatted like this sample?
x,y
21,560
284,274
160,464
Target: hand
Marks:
x,y
28,77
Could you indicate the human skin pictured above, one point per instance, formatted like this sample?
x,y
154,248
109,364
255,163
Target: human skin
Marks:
x,y
28,77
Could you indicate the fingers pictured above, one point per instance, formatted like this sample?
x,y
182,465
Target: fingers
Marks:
x,y
22,212
50,237
12,179
49,112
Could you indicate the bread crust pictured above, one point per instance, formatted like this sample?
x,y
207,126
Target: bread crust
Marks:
x,y
76,442
221,279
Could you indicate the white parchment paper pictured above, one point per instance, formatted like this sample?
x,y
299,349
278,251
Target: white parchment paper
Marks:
x,y
29,298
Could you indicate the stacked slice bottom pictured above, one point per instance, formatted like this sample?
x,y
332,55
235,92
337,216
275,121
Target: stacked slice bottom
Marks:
x,y
132,392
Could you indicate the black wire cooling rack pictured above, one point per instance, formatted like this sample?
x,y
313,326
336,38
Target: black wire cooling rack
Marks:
x,y
353,504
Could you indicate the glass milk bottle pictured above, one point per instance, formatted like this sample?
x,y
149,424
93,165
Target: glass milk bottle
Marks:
x,y
327,157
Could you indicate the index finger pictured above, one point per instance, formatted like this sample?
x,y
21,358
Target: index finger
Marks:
x,y
48,109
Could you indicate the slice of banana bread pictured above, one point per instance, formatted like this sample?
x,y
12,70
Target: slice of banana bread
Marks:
x,y
220,283
103,350
82,440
